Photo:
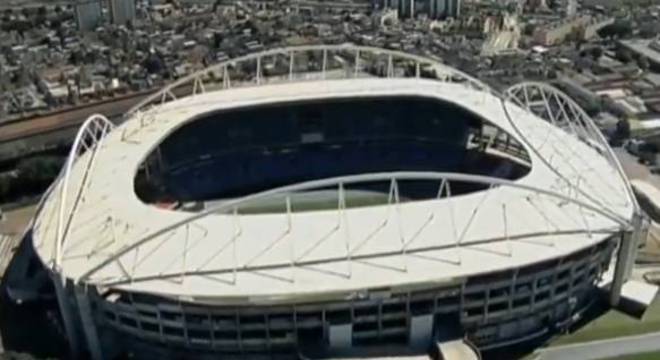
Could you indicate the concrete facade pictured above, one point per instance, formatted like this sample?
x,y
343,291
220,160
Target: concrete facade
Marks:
x,y
88,14
121,11
492,311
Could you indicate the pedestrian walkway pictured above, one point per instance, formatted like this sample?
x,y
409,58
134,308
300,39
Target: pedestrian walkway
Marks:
x,y
603,349
7,245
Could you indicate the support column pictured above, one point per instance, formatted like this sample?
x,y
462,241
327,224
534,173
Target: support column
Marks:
x,y
64,304
626,257
341,337
421,331
87,322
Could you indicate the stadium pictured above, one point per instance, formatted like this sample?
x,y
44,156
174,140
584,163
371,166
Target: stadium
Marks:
x,y
333,200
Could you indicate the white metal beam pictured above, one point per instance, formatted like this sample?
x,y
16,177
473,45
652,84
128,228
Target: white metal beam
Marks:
x,y
469,178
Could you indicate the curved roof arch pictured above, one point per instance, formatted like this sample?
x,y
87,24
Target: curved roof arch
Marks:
x,y
557,108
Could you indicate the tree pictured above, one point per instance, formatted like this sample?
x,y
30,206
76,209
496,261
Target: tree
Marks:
x,y
76,57
216,4
596,53
649,30
154,64
643,63
5,187
38,171
622,129
41,11
618,29
624,55
7,14
592,107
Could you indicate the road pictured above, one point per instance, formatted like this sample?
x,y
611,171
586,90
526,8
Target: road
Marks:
x,y
69,118
634,169
75,116
603,349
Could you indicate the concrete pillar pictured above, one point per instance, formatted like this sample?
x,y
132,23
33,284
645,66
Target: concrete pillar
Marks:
x,y
64,304
626,257
421,331
87,322
341,337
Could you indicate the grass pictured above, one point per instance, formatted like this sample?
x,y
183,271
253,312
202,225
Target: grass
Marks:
x,y
614,324
642,356
313,201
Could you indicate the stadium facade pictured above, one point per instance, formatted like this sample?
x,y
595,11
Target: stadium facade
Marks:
x,y
327,200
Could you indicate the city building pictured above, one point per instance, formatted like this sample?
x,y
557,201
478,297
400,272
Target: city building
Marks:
x,y
555,33
590,29
569,8
121,11
608,4
503,34
453,9
648,49
88,14
310,211
435,9
580,27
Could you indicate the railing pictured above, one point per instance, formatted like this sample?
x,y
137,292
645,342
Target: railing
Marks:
x,y
321,62
507,145
297,258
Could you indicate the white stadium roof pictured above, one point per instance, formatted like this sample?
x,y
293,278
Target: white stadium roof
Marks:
x,y
93,228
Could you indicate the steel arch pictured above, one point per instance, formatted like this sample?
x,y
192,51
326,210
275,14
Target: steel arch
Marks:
x,y
89,137
557,108
196,79
231,205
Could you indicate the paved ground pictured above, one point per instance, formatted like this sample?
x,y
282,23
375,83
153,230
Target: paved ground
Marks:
x,y
16,220
655,355
635,170
11,228
67,118
603,348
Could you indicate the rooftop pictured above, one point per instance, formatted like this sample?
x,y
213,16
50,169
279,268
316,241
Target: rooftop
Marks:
x,y
572,198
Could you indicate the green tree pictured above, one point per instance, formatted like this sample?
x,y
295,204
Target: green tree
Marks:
x,y
5,187
618,29
649,30
42,16
596,53
37,172
643,63
622,129
592,107
624,55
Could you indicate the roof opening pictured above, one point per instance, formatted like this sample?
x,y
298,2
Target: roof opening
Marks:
x,y
229,154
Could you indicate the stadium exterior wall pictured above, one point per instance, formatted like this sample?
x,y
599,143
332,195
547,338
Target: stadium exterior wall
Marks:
x,y
491,310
